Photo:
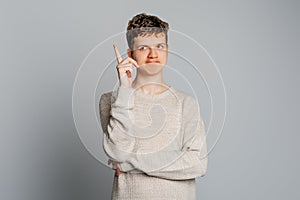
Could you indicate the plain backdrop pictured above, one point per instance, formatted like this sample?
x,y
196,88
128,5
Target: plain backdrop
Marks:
x,y
255,44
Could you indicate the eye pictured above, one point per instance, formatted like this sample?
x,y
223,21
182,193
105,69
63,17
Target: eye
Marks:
x,y
161,46
143,48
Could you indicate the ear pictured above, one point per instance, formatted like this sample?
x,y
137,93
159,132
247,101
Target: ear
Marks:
x,y
130,53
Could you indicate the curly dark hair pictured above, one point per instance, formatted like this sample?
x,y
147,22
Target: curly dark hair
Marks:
x,y
143,24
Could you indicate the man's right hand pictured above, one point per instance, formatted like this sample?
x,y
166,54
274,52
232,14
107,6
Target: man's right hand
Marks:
x,y
115,166
125,68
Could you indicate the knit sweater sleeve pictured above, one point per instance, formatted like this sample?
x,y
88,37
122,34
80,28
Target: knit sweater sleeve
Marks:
x,y
117,142
192,161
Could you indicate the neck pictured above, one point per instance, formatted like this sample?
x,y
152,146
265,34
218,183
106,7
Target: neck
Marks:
x,y
150,84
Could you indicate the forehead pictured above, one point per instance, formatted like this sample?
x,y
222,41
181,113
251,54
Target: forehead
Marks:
x,y
149,39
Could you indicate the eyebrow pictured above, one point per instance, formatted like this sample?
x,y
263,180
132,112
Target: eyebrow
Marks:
x,y
148,45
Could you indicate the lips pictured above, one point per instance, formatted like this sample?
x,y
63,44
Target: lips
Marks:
x,y
152,61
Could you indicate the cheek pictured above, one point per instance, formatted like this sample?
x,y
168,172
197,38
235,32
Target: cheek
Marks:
x,y
164,56
140,58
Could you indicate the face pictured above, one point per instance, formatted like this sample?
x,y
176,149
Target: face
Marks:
x,y
150,52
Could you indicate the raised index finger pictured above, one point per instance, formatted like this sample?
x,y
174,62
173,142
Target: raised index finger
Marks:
x,y
118,55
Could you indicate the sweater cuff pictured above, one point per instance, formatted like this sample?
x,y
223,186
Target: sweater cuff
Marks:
x,y
125,166
124,97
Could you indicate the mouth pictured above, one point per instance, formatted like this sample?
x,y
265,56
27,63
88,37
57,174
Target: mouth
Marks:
x,y
151,62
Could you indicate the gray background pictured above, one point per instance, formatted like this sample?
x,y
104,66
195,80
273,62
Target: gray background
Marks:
x,y
254,43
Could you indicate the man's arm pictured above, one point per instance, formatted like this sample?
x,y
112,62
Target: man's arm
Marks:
x,y
193,161
186,163
117,143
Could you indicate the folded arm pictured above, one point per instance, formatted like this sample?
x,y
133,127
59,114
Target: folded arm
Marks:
x,y
188,162
177,164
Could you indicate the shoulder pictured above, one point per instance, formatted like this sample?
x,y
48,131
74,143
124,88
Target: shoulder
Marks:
x,y
106,97
104,109
187,99
189,103
105,102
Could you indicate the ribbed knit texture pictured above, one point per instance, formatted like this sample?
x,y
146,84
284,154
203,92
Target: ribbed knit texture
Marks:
x,y
158,139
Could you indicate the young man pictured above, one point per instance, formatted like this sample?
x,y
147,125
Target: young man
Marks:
x,y
154,135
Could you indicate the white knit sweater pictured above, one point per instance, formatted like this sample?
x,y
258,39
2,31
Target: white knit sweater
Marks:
x,y
158,139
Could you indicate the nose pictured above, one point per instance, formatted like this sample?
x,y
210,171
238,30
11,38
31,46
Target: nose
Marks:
x,y
152,53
